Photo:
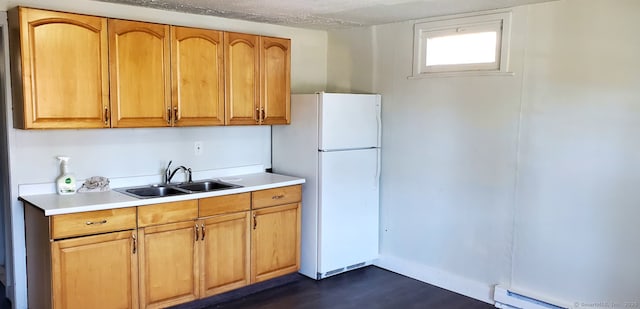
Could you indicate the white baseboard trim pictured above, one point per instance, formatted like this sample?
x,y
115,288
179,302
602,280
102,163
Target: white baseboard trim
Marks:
x,y
448,281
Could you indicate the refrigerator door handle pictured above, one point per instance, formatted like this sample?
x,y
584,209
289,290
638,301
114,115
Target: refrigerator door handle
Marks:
x,y
379,120
376,181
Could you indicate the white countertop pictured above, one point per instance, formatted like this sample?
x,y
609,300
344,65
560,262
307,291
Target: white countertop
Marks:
x,y
54,204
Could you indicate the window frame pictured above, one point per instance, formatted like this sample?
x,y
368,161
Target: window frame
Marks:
x,y
470,23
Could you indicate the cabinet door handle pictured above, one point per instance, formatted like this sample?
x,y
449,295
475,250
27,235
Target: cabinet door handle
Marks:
x,y
203,231
135,242
106,116
175,115
195,231
262,114
96,222
169,116
255,222
277,197
257,114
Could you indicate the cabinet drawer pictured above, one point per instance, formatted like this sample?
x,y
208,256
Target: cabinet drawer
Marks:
x,y
167,213
224,204
276,196
93,222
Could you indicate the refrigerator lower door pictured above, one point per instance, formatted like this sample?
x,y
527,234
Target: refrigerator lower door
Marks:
x,y
348,209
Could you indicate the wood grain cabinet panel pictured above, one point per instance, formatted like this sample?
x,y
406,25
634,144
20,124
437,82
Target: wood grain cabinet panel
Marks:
x,y
258,81
93,222
275,70
197,70
140,77
168,264
218,205
276,196
242,78
60,70
224,253
95,272
167,213
275,241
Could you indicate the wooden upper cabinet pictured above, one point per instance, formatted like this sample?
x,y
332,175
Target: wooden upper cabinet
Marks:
x,y
275,86
140,76
258,79
197,77
77,71
60,69
242,78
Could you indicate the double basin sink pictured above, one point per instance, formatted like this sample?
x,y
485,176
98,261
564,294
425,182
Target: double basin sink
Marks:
x,y
164,190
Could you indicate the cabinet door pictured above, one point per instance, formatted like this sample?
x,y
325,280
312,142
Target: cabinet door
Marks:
x,y
225,253
140,78
83,272
242,78
168,264
64,70
275,63
275,242
197,72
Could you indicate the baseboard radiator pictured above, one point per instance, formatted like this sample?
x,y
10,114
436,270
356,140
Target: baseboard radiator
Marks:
x,y
508,299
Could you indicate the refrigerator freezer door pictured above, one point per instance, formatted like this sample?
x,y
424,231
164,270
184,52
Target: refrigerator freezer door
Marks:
x,y
349,121
348,208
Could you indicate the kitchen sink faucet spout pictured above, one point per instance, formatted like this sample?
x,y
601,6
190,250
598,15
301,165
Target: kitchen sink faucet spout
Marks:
x,y
168,174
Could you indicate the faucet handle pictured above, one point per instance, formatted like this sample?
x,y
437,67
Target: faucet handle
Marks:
x,y
189,179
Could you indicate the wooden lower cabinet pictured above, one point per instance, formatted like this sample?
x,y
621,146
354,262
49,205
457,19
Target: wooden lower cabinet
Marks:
x,y
83,273
168,265
275,241
174,256
224,253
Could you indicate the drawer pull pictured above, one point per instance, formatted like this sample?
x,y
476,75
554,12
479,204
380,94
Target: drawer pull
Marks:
x,y
96,222
277,197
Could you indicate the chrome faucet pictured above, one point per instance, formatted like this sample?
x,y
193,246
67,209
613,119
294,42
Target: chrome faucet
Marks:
x,y
168,174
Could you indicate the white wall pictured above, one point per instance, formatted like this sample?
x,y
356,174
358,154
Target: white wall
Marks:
x,y
352,56
529,180
577,234
136,152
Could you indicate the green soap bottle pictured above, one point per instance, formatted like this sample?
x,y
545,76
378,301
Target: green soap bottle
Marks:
x,y
66,183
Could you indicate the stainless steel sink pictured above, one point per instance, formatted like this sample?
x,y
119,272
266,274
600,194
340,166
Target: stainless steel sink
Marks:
x,y
152,191
207,185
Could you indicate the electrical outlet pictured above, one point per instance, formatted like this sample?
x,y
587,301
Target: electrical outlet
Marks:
x,y
198,148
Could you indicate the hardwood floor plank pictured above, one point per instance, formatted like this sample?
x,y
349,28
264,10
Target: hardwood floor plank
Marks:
x,y
370,287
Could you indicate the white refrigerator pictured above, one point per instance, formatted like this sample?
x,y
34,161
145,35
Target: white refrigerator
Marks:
x,y
334,143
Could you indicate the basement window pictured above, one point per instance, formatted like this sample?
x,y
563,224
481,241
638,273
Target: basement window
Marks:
x,y
462,45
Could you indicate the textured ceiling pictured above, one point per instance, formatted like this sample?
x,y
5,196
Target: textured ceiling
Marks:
x,y
326,14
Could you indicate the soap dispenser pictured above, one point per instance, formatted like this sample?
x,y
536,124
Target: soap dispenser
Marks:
x,y
66,183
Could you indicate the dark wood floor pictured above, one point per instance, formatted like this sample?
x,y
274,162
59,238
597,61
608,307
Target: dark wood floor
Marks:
x,y
4,303
369,288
